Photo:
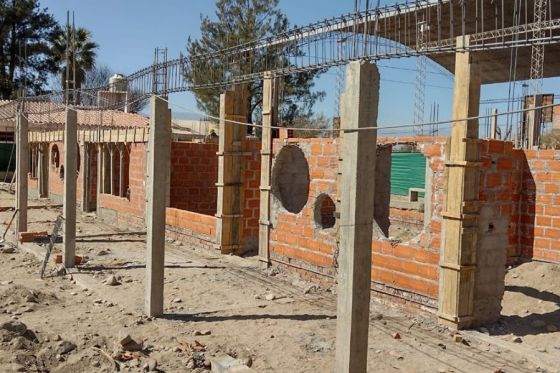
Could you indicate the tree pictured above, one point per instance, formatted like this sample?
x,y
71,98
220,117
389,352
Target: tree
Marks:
x,y
242,21
73,50
317,122
26,32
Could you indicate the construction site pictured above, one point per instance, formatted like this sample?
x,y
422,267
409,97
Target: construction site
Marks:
x,y
228,245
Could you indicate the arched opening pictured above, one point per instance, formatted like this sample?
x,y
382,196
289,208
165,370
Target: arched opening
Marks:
x,y
290,179
324,212
55,156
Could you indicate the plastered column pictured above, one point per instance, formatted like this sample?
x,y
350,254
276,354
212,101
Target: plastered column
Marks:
x,y
70,183
358,109
22,169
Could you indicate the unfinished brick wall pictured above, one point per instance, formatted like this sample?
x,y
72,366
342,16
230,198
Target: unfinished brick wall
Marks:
x,y
190,227
128,210
194,173
539,220
409,270
251,185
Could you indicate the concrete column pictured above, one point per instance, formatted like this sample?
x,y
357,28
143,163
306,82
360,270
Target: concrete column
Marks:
x,y
22,170
86,177
43,171
494,126
229,223
70,183
122,192
99,174
461,211
112,169
159,147
270,116
358,109
534,122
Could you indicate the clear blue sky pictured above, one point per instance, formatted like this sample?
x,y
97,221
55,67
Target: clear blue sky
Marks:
x,y
127,32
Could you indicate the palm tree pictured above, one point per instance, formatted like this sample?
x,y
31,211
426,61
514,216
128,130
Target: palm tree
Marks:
x,y
73,49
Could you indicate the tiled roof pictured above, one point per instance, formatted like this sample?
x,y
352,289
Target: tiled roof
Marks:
x,y
45,113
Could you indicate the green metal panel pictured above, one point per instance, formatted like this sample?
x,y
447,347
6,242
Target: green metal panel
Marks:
x,y
408,170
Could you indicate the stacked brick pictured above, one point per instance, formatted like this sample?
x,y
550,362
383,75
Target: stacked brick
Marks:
x,y
194,172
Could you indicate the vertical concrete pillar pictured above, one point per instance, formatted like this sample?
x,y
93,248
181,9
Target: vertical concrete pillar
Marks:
x,y
86,177
106,169
494,126
22,170
99,174
43,171
229,223
534,122
358,109
70,183
270,116
112,169
122,149
159,147
461,211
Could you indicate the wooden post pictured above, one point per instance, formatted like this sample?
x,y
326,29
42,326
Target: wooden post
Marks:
x,y
359,149
22,169
460,217
229,223
270,116
159,146
70,183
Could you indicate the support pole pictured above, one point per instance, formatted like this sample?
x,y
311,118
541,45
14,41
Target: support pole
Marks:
x,y
70,182
494,127
22,169
112,169
358,109
460,217
229,222
270,117
159,148
99,175
86,175
121,171
43,171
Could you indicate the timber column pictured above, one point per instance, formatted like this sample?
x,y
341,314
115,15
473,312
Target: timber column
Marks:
x,y
460,217
22,169
159,148
358,109
270,117
70,183
231,161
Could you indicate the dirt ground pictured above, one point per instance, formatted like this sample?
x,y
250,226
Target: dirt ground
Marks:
x,y
217,305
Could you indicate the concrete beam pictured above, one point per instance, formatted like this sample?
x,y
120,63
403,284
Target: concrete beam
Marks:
x,y
70,183
159,149
22,170
358,109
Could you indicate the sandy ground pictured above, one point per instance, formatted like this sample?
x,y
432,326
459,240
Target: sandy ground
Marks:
x,y
272,321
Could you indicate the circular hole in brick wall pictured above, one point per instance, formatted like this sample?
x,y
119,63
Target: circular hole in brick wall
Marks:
x,y
323,211
290,178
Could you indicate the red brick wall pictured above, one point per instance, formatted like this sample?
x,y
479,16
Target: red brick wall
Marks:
x,y
194,173
296,236
539,221
251,185
135,205
56,184
191,227
500,182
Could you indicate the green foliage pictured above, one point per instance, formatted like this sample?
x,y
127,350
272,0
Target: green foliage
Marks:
x,y
26,29
239,22
78,49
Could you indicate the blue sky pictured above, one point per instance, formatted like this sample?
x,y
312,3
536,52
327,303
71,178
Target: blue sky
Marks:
x,y
127,32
